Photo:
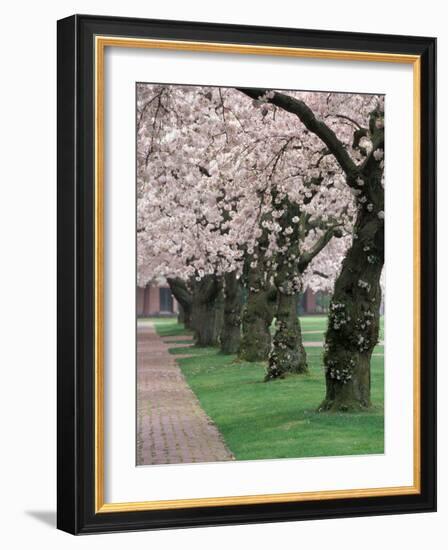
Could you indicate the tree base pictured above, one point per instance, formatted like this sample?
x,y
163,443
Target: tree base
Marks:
x,y
230,348
270,376
252,355
338,406
286,360
256,342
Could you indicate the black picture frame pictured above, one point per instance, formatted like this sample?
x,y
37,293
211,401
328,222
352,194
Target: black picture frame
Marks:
x,y
76,255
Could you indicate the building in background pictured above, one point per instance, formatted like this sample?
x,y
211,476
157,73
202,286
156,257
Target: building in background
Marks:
x,y
156,301
313,303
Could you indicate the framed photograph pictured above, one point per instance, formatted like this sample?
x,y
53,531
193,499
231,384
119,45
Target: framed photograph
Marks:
x,y
246,274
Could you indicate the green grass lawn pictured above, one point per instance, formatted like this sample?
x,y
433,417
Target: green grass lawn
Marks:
x,y
314,327
278,419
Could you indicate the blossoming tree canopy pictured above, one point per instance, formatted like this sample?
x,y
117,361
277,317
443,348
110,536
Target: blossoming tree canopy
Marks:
x,y
259,184
213,172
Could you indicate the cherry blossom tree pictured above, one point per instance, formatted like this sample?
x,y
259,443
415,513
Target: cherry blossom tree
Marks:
x,y
358,147
298,194
182,235
253,187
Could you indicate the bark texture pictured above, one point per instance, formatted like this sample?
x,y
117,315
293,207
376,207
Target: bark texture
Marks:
x,y
207,311
181,315
233,303
288,355
181,291
258,314
353,323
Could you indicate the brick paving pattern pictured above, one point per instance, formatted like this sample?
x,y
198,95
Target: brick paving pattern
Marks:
x,y
172,427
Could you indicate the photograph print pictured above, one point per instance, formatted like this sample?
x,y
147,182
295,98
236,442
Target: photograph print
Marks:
x,y
260,274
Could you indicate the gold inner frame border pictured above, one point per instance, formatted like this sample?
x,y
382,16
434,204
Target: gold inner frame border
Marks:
x,y
100,44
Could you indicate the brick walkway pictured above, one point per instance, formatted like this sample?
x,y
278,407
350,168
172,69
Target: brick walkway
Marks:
x,y
172,427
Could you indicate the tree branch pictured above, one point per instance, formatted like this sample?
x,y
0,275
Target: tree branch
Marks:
x,y
345,117
309,120
320,274
321,243
180,291
145,106
209,287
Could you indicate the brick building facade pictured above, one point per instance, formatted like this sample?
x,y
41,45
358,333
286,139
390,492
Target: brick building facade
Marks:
x,y
156,301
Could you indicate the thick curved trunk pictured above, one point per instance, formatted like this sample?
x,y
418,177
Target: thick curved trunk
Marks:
x,y
233,302
187,314
288,355
353,322
183,295
184,316
258,314
181,315
207,311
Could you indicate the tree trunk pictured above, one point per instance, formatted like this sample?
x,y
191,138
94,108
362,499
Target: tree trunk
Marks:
x,y
183,295
186,314
207,311
181,315
353,322
258,314
288,354
233,301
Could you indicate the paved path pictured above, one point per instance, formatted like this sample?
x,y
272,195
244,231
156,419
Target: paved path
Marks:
x,y
172,427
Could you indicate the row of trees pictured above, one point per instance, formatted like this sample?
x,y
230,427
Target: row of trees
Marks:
x,y
248,196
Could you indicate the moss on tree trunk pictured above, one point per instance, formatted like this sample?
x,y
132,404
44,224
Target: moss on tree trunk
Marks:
x,y
258,314
233,302
288,355
353,322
